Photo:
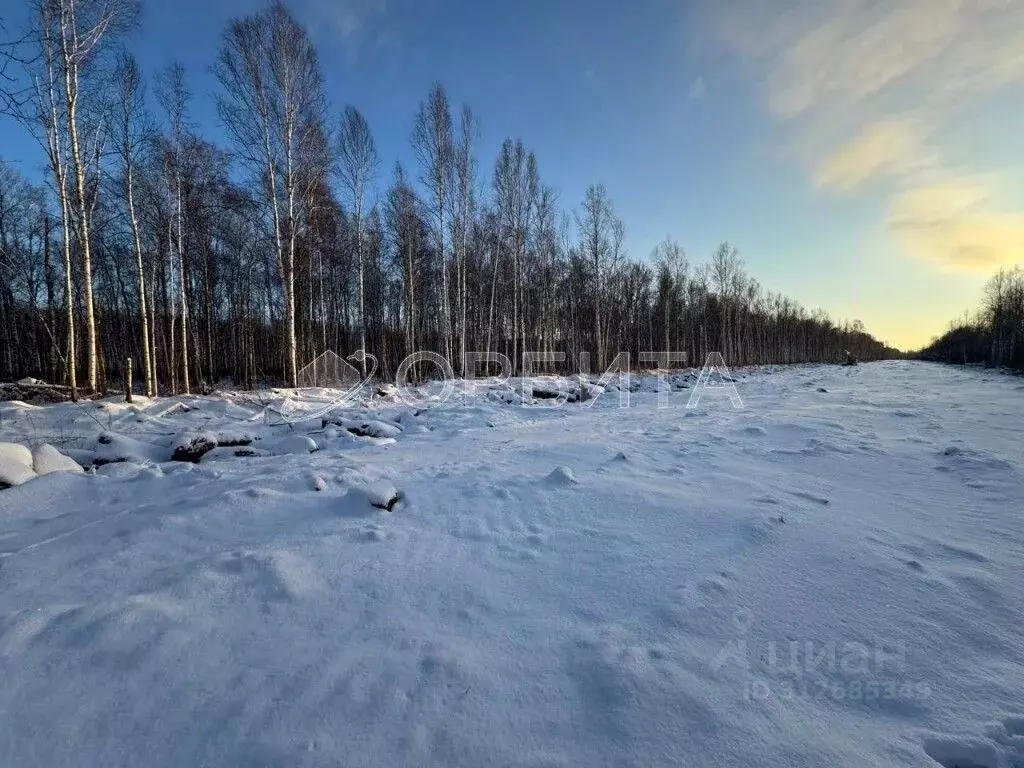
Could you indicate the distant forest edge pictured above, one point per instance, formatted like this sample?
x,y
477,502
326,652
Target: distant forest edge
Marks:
x,y
246,260
994,336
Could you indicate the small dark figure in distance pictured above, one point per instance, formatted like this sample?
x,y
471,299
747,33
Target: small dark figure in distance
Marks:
x,y
850,359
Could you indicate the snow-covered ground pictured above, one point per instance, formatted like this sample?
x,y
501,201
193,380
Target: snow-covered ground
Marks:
x,y
832,576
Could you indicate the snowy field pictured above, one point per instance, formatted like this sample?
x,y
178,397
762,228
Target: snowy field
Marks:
x,y
831,576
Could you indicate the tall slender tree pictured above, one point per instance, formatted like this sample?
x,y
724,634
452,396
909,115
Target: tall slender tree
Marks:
x,y
131,139
173,96
434,146
84,29
272,104
597,227
357,167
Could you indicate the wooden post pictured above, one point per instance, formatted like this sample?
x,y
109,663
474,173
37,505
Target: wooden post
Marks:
x,y
128,380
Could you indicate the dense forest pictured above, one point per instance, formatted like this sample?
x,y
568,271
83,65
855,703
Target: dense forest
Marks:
x,y
245,256
995,334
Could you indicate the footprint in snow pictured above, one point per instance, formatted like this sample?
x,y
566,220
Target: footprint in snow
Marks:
x,y
962,553
761,528
373,534
536,536
806,496
1001,746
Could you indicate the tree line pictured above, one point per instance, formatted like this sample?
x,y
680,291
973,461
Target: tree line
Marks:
x,y
994,335
245,260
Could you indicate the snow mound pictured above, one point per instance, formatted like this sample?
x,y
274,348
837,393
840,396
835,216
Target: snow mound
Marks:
x,y
47,459
553,388
506,396
562,476
367,427
293,444
229,438
380,495
33,391
15,465
112,448
16,452
233,453
83,456
193,446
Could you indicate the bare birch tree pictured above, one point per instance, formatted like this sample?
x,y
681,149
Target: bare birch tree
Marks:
x,y
357,167
597,224
131,138
44,115
83,28
403,224
464,210
271,103
173,96
433,143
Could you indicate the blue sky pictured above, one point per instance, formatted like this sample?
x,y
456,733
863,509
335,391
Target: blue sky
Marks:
x,y
863,157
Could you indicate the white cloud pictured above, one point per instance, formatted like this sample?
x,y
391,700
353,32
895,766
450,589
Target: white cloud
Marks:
x,y
899,71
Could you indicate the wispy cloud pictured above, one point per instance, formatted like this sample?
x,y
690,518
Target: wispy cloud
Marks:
x,y
958,224
350,17
893,147
843,53
897,71
348,23
698,89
